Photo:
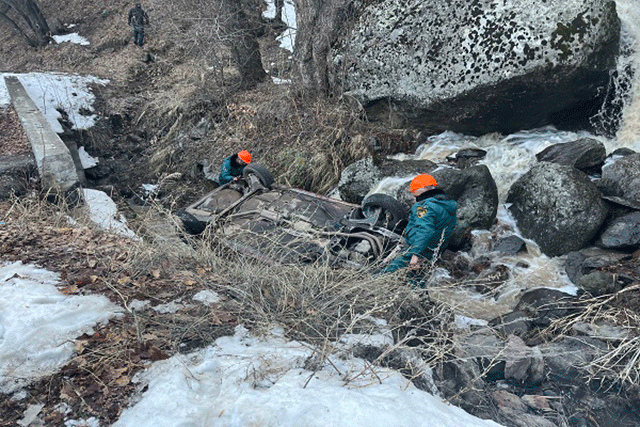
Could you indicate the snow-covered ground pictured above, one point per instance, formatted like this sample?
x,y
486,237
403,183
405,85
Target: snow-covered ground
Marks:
x,y
39,323
53,91
239,380
72,38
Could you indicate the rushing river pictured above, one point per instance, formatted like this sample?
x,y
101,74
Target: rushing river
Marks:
x,y
510,156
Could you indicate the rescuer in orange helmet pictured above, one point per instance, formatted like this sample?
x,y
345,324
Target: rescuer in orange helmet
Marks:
x,y
432,220
233,166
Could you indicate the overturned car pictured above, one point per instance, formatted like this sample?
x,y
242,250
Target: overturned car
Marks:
x,y
286,225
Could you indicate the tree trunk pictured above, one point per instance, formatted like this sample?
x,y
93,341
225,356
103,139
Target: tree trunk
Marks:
x,y
244,44
24,17
319,22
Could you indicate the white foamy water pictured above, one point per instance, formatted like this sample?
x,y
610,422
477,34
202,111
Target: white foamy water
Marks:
x,y
629,13
508,158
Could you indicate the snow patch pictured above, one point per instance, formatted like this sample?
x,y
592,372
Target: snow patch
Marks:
x,y
244,380
86,160
104,212
71,38
38,323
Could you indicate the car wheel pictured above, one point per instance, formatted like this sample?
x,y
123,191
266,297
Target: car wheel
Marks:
x,y
391,213
190,223
260,172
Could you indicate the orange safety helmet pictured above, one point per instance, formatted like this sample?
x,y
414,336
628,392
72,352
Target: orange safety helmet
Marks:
x,y
245,156
421,181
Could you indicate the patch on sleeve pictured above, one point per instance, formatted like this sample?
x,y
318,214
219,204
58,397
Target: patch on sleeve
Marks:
x,y
420,212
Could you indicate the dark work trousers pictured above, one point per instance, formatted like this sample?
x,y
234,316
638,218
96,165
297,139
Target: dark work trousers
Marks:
x,y
138,36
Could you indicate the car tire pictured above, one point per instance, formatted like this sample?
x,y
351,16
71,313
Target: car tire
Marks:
x,y
262,173
394,212
190,223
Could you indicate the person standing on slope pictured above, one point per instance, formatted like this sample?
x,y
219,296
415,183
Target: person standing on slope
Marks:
x,y
138,18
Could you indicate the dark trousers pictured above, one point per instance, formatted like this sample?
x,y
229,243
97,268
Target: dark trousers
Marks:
x,y
138,36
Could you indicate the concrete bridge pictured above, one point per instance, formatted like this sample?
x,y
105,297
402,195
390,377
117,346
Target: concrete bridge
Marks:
x,y
58,164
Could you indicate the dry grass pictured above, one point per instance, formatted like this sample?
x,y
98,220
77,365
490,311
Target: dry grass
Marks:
x,y
620,364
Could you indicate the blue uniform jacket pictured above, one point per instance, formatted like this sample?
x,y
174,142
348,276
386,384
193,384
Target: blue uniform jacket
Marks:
x,y
430,217
230,170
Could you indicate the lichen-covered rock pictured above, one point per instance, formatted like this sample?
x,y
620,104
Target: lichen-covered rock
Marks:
x,y
557,206
478,66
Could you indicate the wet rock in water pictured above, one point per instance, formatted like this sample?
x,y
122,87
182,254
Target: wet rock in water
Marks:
x,y
585,154
510,245
467,157
542,306
557,206
621,177
622,233
477,195
599,283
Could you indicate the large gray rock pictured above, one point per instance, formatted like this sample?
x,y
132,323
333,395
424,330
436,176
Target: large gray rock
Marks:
x,y
478,66
359,178
622,233
477,195
557,206
621,177
584,154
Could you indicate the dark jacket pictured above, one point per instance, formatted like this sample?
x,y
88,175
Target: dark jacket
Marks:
x,y
230,169
431,215
138,18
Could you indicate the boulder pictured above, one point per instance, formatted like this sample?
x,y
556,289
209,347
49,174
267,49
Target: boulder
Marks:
x,y
477,195
543,306
359,178
522,363
557,206
599,283
587,260
478,67
585,154
622,233
621,177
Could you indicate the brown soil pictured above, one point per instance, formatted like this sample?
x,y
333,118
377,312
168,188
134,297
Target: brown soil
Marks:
x,y
13,140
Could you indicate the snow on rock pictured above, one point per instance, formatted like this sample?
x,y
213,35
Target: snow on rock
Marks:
x,y
38,323
243,380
